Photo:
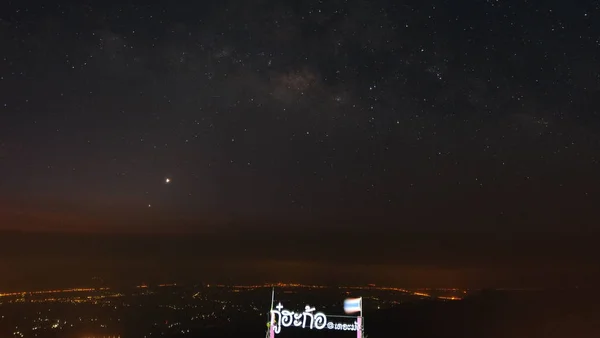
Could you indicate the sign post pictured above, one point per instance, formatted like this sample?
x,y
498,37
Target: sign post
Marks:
x,y
271,327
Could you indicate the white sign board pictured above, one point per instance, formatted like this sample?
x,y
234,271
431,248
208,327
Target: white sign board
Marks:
x,y
307,319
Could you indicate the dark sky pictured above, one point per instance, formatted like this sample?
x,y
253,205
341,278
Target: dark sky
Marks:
x,y
394,114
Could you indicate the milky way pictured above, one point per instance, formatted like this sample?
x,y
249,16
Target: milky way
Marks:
x,y
414,115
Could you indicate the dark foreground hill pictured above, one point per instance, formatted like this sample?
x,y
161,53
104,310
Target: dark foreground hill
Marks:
x,y
491,314
496,314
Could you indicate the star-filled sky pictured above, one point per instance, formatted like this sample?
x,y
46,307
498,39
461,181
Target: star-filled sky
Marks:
x,y
196,116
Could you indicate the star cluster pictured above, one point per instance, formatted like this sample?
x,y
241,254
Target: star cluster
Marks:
x,y
428,114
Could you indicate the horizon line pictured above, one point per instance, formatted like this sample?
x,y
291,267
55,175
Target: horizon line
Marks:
x,y
228,230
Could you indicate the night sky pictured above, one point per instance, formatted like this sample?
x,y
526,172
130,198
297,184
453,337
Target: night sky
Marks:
x,y
208,115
